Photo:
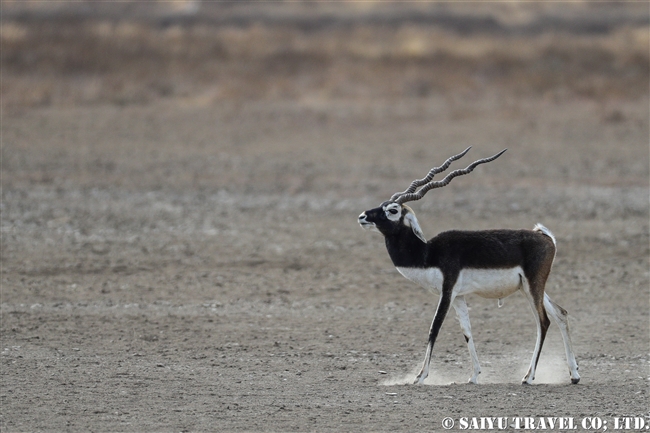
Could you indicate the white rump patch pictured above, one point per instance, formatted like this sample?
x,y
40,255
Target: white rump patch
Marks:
x,y
540,228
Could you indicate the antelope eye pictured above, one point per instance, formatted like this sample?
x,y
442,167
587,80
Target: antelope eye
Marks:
x,y
393,211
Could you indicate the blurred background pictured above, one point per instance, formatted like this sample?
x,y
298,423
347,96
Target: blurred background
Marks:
x,y
135,52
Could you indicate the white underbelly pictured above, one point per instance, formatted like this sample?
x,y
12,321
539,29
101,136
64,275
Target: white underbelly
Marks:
x,y
488,283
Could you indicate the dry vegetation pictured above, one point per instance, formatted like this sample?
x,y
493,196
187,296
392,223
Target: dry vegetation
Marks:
x,y
70,56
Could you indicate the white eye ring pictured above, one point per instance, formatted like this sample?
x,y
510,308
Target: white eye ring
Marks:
x,y
393,211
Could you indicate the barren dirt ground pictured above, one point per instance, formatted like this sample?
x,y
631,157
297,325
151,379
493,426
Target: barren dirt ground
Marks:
x,y
140,293
195,264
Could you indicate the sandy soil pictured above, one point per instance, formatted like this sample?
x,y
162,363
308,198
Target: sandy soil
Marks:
x,y
185,263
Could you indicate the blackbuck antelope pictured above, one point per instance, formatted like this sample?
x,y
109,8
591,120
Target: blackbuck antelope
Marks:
x,y
491,263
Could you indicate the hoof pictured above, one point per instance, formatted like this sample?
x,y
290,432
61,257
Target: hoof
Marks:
x,y
527,380
420,378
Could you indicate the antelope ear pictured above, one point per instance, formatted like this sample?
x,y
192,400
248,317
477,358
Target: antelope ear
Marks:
x,y
411,221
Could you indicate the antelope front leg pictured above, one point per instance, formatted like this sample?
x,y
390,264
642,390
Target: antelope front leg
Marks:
x,y
463,317
438,318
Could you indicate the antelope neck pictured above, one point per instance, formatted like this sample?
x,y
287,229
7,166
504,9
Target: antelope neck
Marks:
x,y
406,250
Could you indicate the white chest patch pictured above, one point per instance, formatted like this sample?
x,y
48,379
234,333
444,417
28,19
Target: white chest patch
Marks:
x,y
488,283
430,279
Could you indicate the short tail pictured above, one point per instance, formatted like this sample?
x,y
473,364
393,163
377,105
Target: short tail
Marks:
x,y
540,228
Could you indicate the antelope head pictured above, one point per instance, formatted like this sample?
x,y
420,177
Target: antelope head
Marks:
x,y
393,216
